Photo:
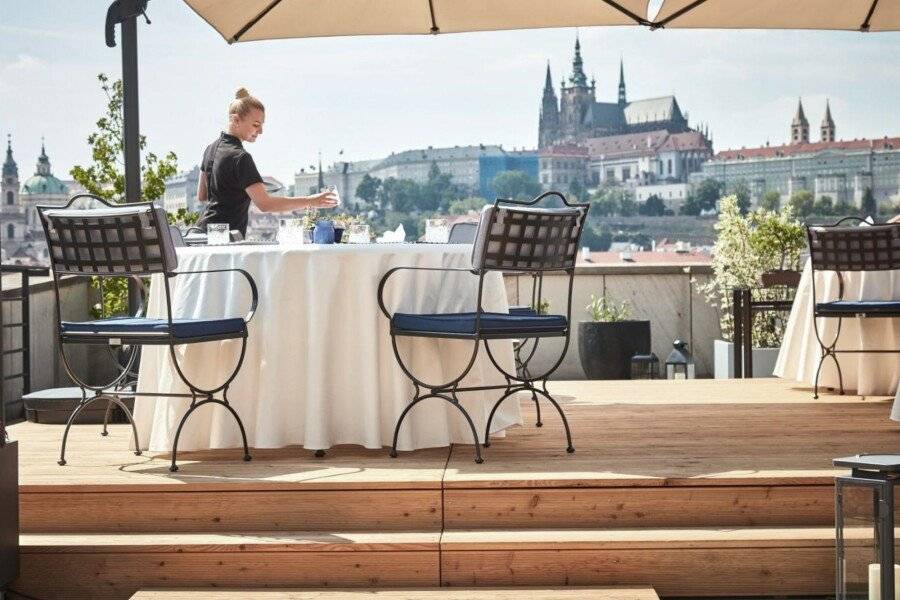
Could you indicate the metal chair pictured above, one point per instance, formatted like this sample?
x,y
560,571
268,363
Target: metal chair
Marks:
x,y
851,248
511,236
134,241
462,233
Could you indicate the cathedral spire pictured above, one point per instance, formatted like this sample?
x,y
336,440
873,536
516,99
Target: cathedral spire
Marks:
x,y
578,77
548,126
10,169
827,127
622,100
43,164
800,126
548,81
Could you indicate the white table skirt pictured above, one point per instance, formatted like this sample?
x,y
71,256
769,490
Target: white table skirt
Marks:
x,y
319,369
867,374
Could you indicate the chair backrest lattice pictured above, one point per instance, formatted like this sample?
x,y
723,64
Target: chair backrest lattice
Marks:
x,y
864,248
131,239
528,239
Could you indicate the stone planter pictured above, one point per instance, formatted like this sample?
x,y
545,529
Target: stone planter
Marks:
x,y
9,513
723,360
606,348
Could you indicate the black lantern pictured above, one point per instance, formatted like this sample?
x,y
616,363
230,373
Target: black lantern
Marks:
x,y
864,527
680,363
644,366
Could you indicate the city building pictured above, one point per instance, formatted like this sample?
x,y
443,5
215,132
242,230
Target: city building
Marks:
x,y
181,191
20,229
839,169
471,167
576,115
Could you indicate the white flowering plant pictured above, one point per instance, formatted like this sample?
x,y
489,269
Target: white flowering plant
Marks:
x,y
746,247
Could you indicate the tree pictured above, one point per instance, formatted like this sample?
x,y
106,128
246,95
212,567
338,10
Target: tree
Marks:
x,y
653,207
577,191
368,188
105,177
843,209
802,203
517,185
708,193
742,194
438,191
399,195
465,205
596,238
627,206
611,200
823,206
868,207
771,201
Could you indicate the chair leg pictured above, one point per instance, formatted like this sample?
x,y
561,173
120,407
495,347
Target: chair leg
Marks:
x,y
109,406
130,417
454,402
75,412
840,375
510,392
194,406
569,448
537,406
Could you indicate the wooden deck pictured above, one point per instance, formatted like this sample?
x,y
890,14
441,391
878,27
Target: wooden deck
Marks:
x,y
694,488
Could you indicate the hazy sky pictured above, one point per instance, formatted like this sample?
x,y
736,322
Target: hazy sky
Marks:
x,y
373,95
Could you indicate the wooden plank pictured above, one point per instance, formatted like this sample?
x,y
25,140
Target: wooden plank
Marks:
x,y
680,572
638,507
288,541
560,593
119,576
166,510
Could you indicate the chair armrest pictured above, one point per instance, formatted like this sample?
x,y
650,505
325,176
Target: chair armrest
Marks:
x,y
253,291
387,275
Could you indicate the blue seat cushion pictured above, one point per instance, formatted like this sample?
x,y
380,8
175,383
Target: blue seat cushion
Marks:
x,y
522,311
181,328
491,323
886,308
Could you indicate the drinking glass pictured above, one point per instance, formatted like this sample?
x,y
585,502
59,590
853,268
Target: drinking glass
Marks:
x,y
359,233
217,234
436,231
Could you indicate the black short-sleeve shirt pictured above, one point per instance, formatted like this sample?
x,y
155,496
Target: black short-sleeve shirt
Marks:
x,y
229,170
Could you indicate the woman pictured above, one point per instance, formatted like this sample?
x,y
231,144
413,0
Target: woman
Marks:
x,y
229,180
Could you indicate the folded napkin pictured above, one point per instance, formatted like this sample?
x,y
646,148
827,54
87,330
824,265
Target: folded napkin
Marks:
x,y
393,237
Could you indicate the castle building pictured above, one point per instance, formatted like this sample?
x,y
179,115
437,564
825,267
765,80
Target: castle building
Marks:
x,y
638,143
20,228
839,169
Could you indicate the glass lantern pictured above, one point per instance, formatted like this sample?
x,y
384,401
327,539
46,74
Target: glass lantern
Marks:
x,y
644,366
680,363
866,548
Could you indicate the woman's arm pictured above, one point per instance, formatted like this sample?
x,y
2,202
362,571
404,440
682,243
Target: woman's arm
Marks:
x,y
267,203
202,194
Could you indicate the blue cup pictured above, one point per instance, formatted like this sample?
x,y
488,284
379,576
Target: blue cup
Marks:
x,y
323,233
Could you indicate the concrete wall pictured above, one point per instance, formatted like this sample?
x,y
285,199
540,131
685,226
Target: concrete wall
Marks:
x,y
666,295
47,368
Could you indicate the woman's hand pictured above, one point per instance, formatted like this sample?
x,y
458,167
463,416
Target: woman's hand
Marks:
x,y
326,199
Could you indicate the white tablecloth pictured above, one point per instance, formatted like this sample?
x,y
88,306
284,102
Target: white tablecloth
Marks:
x,y
319,369
867,374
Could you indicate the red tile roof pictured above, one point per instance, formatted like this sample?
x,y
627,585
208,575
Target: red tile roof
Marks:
x,y
647,143
568,150
884,143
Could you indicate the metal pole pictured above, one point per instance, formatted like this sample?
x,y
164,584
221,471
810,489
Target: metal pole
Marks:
x,y
26,334
737,333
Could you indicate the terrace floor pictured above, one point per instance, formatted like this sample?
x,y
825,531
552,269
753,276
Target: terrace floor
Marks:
x,y
694,488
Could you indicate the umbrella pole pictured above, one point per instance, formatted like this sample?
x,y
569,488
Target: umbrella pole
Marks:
x,y
125,12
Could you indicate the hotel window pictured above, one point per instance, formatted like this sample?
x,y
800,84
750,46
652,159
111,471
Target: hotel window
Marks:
x,y
9,197
670,166
626,173
610,174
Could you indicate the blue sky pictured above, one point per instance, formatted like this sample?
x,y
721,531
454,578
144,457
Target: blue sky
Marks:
x,y
373,95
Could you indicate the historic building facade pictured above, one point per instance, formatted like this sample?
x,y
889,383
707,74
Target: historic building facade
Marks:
x,y
20,228
839,169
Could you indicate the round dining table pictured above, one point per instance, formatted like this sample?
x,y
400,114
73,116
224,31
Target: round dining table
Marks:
x,y
867,374
319,369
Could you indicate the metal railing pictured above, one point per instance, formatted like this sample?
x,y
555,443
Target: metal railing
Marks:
x,y
22,325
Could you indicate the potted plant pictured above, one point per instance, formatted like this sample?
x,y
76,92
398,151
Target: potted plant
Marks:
x,y
607,342
757,250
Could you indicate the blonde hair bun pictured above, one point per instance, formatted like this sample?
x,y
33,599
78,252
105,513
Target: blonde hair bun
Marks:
x,y
241,93
243,103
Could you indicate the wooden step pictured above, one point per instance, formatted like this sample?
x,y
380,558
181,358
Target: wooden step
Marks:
x,y
570,593
71,566
752,561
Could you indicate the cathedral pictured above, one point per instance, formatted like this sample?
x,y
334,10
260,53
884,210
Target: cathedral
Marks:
x,y
577,115
20,229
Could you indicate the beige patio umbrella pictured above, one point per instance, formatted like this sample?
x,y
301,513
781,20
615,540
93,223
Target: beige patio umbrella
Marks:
x,y
852,15
247,20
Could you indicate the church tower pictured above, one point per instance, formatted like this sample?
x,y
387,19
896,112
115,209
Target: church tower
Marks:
x,y
548,127
576,99
9,185
622,100
827,125
799,126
